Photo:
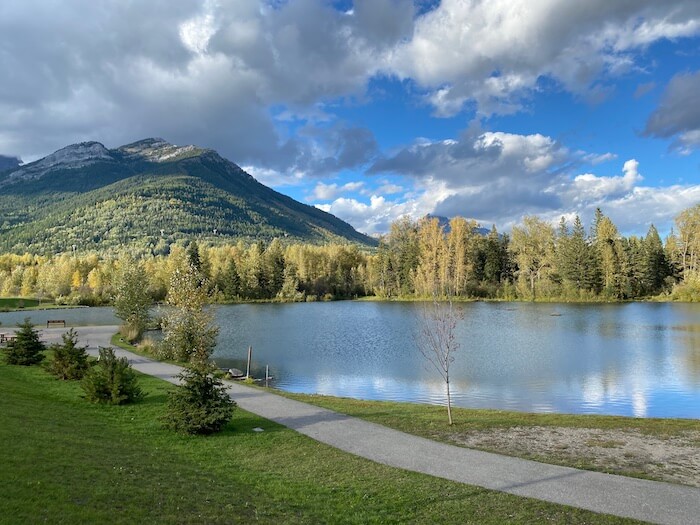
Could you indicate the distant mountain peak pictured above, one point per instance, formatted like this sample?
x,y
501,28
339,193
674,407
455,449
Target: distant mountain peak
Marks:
x,y
158,150
71,157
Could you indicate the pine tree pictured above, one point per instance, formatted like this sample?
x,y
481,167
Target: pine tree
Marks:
x,y
575,259
230,281
200,404
655,266
27,348
70,361
111,380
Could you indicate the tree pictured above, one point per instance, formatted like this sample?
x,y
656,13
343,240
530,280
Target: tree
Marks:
x,y
70,361
230,281
27,348
132,301
188,331
199,405
688,222
437,340
655,266
111,380
431,247
613,259
575,258
532,245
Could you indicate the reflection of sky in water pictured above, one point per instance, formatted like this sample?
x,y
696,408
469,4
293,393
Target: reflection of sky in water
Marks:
x,y
631,359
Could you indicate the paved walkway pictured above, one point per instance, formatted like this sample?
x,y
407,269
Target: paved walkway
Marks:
x,y
618,495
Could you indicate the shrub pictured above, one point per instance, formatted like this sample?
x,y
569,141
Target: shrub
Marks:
x,y
70,361
200,404
27,348
111,380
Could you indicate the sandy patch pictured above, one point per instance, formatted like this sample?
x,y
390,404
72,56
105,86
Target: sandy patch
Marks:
x,y
674,458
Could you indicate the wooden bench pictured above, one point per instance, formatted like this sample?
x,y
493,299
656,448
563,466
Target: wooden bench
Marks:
x,y
55,322
7,339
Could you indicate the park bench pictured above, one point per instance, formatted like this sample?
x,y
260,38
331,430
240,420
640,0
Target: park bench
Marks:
x,y
55,322
7,339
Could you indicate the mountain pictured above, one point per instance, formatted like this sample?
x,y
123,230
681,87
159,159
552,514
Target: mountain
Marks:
x,y
147,195
444,223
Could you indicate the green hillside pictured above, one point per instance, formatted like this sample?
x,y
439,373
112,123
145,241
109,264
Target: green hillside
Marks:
x,y
148,195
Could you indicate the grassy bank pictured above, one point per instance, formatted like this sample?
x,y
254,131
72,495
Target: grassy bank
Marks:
x,y
9,304
66,461
608,432
431,421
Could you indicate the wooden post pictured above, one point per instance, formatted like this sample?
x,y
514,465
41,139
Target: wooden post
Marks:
x,y
267,373
250,355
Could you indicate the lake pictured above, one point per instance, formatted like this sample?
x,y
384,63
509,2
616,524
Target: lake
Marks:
x,y
637,359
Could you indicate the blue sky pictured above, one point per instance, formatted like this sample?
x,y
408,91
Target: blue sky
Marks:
x,y
374,109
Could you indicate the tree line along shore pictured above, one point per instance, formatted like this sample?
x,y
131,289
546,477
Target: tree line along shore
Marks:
x,y
416,259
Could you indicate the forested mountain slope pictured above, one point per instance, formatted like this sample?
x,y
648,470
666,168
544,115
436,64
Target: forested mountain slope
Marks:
x,y
148,195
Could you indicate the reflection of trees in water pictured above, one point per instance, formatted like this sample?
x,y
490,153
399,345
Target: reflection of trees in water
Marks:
x,y
691,343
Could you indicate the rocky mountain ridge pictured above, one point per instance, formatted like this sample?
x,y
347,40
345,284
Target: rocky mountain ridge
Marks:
x,y
150,194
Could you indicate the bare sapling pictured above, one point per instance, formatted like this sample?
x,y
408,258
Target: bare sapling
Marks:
x,y
437,340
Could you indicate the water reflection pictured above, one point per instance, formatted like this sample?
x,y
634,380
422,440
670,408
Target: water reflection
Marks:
x,y
612,359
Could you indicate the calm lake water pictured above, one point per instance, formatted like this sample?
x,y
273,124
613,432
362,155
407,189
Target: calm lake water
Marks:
x,y
639,359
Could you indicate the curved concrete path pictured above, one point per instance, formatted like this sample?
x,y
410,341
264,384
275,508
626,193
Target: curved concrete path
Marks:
x,y
618,495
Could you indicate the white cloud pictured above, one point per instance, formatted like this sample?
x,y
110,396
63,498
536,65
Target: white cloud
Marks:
x,y
589,187
595,159
493,52
196,32
497,177
390,189
331,191
376,215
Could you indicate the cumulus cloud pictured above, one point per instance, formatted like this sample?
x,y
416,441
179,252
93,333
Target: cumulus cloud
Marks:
x,y
193,72
497,178
589,187
260,80
376,215
327,192
494,52
678,114
478,158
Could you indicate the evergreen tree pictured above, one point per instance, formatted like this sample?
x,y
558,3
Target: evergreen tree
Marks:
x,y
193,257
27,348
111,380
230,281
655,266
575,259
200,404
70,361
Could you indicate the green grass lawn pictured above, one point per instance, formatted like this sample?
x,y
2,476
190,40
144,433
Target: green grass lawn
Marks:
x,y
23,303
63,460
431,421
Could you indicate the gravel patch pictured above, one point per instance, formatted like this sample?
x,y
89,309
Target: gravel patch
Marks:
x,y
673,458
